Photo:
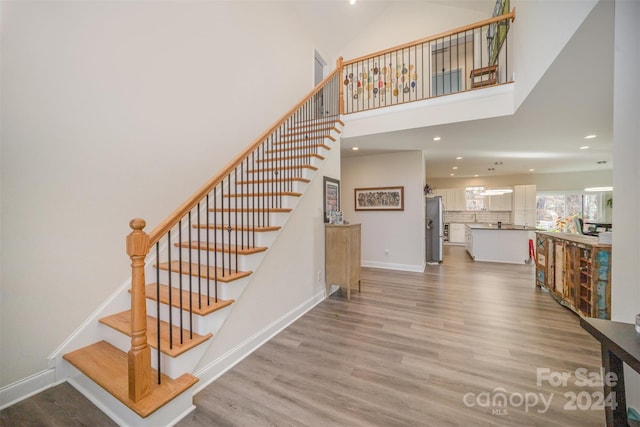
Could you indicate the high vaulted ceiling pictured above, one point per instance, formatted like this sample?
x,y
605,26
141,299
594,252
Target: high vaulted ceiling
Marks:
x,y
572,100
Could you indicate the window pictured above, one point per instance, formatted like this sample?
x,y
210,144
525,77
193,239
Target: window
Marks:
x,y
474,199
553,208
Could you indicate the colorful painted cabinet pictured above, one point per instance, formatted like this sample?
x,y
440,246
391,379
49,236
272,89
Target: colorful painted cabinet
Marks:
x,y
576,270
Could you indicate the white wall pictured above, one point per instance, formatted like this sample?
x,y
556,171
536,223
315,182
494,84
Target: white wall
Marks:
x,y
625,289
115,110
540,32
399,232
405,21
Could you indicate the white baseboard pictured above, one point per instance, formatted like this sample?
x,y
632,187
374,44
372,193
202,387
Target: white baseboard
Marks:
x,y
27,387
393,266
222,364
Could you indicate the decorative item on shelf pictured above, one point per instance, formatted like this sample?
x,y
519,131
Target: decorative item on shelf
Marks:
x,y
427,189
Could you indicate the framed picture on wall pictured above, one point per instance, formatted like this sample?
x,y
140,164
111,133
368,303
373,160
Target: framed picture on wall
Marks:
x,y
331,195
379,199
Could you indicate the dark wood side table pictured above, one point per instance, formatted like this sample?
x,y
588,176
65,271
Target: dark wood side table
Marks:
x,y
619,343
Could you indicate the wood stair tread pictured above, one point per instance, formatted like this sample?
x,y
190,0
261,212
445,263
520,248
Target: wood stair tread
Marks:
x,y
122,322
279,168
274,180
298,148
327,126
259,229
304,140
265,194
213,247
325,130
202,308
107,366
223,276
300,156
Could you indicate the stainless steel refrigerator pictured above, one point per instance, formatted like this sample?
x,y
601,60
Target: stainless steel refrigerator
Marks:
x,y
434,229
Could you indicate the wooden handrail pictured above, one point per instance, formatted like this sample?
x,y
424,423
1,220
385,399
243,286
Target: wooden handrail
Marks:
x,y
511,15
166,225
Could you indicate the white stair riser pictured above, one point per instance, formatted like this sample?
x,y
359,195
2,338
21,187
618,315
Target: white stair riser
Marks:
x,y
269,174
313,161
243,201
258,238
295,186
202,325
225,290
172,366
245,262
247,218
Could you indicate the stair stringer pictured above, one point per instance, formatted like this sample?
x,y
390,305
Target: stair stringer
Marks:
x,y
289,282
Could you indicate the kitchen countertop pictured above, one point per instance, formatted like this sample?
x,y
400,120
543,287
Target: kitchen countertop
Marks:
x,y
577,238
493,226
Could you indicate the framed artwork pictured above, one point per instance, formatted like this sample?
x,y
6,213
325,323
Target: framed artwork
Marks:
x,y
331,195
379,199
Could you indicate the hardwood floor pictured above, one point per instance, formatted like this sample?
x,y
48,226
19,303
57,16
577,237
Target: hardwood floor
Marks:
x,y
412,349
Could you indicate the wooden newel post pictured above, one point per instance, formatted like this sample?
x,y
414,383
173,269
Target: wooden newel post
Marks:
x,y
139,354
341,101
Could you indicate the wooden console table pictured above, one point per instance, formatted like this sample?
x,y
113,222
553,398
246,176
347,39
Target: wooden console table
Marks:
x,y
619,343
342,256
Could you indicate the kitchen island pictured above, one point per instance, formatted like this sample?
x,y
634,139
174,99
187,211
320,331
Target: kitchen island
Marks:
x,y
508,243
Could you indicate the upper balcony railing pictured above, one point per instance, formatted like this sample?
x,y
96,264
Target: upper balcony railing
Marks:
x,y
459,60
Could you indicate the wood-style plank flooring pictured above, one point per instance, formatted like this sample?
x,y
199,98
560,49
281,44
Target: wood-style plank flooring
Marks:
x,y
438,348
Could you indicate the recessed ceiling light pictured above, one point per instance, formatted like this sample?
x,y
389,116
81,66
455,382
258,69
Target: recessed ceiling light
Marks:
x,y
436,138
590,136
458,158
476,175
355,148
352,1
455,167
584,147
452,174
531,170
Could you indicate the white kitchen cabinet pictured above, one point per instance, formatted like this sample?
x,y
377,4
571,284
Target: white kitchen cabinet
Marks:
x,y
524,205
453,199
456,233
456,199
500,202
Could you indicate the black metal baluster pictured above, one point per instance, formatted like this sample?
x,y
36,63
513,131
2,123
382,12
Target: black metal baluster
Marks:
x,y
170,289
180,279
215,244
229,229
199,256
208,250
158,311
191,279
235,248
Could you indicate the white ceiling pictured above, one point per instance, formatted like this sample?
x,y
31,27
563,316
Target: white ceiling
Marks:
x,y
573,99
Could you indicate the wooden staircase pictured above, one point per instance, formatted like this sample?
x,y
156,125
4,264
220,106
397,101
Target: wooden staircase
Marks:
x,y
181,289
